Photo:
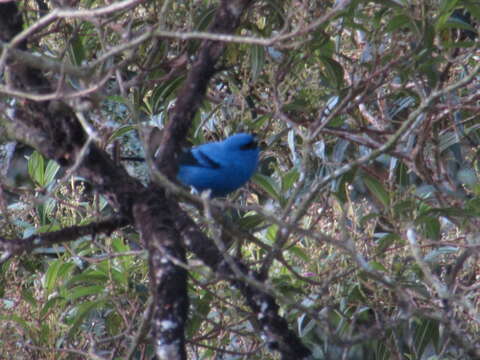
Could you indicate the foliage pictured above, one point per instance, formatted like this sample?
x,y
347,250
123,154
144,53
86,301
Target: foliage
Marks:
x,y
364,212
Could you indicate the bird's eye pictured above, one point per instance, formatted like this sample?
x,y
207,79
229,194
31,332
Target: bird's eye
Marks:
x,y
249,146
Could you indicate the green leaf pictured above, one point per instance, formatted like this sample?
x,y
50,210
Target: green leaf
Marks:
x,y
386,241
259,122
120,277
267,184
299,252
48,208
257,60
342,185
92,276
289,179
271,234
201,306
365,219
54,303
426,332
250,221
124,262
377,266
51,171
451,211
202,21
324,45
81,291
119,99
81,312
36,168
66,269
48,227
77,50
377,190
473,206
391,3
473,8
402,174
398,22
162,94
51,276
27,295
25,325
118,244
404,208
452,22
119,132
334,71
431,227
458,44
356,294
447,6
113,323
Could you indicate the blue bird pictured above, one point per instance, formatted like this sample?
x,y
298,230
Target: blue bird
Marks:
x,y
221,167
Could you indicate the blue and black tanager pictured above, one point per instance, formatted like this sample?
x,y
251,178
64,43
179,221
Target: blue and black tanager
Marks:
x,y
221,167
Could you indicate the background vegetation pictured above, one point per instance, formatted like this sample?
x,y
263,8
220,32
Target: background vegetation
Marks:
x,y
361,228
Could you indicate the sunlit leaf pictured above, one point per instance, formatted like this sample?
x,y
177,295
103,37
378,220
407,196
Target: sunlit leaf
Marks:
x,y
51,171
36,168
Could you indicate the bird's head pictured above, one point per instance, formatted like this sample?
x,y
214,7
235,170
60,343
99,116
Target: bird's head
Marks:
x,y
241,142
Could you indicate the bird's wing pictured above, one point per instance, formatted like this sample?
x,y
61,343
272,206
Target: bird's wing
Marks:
x,y
198,158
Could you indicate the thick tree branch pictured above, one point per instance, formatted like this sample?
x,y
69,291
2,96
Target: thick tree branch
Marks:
x,y
11,247
168,278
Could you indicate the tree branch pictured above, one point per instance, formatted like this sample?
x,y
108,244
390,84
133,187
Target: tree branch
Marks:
x,y
11,247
